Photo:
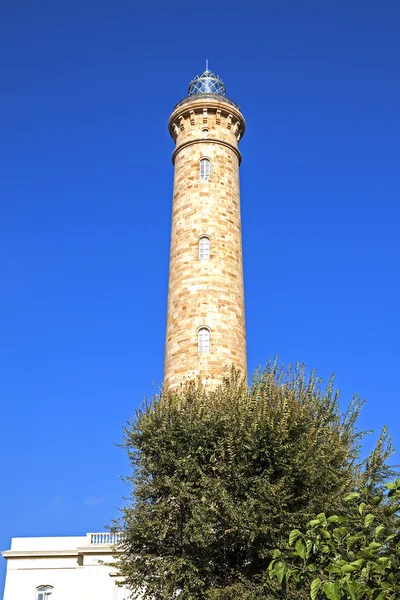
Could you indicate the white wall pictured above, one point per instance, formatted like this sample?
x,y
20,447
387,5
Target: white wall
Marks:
x,y
33,562
67,542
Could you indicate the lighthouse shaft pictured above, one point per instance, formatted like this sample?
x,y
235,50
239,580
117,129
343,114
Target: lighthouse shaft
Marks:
x,y
206,320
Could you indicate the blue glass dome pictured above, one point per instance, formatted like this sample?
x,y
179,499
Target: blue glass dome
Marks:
x,y
207,83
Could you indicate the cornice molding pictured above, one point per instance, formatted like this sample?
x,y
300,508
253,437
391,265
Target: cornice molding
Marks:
x,y
200,104
57,553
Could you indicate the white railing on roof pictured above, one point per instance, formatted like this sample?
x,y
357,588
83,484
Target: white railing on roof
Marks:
x,y
109,539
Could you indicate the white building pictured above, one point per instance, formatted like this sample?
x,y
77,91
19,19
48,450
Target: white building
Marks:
x,y
63,568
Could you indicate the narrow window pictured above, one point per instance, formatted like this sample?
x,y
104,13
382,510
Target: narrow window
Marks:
x,y
205,169
204,248
203,340
43,592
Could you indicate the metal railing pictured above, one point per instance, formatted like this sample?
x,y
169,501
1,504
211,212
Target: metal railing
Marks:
x,y
215,96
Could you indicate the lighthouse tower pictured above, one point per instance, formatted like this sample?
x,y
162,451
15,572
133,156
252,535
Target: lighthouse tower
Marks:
x,y
206,320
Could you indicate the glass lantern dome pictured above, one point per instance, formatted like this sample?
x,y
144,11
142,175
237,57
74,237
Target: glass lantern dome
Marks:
x,y
207,83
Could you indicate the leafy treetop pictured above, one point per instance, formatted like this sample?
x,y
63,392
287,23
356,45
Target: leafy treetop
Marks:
x,y
219,477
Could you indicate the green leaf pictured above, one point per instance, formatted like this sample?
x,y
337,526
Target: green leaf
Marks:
x,y
352,539
368,519
314,523
280,569
361,508
333,519
374,546
379,530
293,536
301,548
316,584
358,563
271,568
334,569
339,533
392,485
331,590
352,496
349,569
351,588
315,547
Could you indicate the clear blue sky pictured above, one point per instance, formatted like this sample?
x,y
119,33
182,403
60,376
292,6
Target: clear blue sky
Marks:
x,y
85,188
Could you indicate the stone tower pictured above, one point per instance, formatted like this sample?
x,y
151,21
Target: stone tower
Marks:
x,y
206,320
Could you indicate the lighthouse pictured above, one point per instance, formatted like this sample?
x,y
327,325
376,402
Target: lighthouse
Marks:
x,y
206,330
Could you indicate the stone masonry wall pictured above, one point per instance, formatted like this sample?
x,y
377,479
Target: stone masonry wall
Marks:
x,y
205,292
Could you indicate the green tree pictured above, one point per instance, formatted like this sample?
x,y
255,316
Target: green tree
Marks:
x,y
351,557
219,477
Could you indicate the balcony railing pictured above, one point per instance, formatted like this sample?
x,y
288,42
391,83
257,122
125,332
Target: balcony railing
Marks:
x,y
187,99
105,539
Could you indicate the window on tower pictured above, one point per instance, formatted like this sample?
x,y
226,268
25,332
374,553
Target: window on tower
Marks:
x,y
203,339
204,248
205,169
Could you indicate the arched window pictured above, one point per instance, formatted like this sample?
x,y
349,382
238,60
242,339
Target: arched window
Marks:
x,y
204,248
43,592
203,339
205,169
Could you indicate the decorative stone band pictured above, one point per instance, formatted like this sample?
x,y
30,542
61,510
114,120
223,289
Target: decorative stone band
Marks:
x,y
208,140
200,109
